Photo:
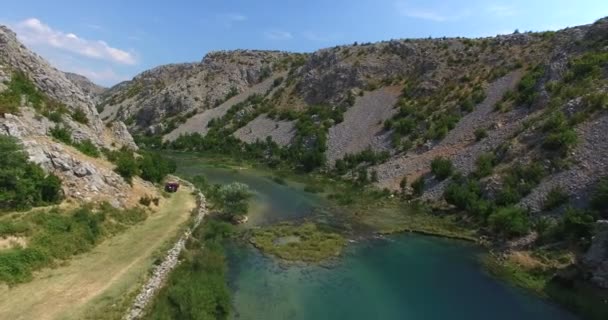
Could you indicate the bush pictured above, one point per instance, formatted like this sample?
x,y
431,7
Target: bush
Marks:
x,y
154,167
555,198
24,184
62,134
485,164
87,147
442,167
509,221
126,165
418,186
79,116
576,224
480,134
562,141
56,116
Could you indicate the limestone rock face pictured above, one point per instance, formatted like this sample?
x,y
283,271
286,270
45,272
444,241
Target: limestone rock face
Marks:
x,y
89,88
15,57
84,179
172,90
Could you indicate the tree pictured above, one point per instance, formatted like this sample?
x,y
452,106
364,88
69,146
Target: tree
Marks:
x,y
234,199
154,167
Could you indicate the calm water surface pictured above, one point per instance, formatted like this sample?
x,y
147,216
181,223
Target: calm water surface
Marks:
x,y
401,277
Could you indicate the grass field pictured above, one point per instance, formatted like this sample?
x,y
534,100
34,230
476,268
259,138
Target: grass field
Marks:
x,y
98,284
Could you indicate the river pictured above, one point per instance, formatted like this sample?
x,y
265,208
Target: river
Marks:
x,y
403,276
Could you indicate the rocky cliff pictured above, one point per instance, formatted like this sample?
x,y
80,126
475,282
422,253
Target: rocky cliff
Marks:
x,y
37,99
89,88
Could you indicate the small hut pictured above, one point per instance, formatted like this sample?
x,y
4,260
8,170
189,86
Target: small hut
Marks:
x,y
171,186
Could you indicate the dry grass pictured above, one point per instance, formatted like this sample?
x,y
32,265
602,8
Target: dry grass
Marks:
x,y
100,280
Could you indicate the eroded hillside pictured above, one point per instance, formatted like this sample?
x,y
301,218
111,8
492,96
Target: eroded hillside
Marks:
x,y
507,126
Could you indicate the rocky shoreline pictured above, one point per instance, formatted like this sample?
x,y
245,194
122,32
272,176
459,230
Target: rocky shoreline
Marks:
x,y
171,260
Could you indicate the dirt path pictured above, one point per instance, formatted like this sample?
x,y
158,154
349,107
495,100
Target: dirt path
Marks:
x,y
100,278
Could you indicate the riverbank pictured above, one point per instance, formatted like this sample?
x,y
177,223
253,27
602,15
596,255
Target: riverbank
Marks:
x,y
550,276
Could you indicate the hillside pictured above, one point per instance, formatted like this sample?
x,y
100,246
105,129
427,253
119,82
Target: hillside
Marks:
x,y
510,122
54,119
89,88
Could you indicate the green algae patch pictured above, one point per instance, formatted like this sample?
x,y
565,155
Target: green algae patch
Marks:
x,y
306,242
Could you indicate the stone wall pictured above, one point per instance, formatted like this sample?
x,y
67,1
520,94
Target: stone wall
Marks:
x,y
161,272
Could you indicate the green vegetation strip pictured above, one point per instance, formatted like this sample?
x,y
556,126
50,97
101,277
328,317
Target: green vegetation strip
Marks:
x,y
306,242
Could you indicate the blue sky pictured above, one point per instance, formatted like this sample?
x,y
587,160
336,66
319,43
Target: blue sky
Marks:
x,y
113,40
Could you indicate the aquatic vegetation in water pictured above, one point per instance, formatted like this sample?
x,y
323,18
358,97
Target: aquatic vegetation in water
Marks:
x,y
305,242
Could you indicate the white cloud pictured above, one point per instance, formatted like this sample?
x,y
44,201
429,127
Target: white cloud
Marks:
x,y
432,14
278,35
229,19
33,32
501,10
451,12
312,36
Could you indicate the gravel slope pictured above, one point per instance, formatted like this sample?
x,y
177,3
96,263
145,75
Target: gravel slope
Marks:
x,y
281,132
590,163
363,124
459,144
198,123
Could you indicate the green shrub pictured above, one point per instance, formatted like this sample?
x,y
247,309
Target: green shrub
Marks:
x,y
126,165
24,184
62,134
79,116
556,121
87,147
56,116
197,288
562,141
509,222
485,164
555,198
480,134
442,167
576,224
526,89
418,186
154,167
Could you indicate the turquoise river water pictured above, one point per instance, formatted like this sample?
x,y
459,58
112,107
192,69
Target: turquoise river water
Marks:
x,y
399,277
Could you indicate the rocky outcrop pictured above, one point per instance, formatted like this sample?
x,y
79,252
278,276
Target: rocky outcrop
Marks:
x,y
89,88
175,90
85,179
